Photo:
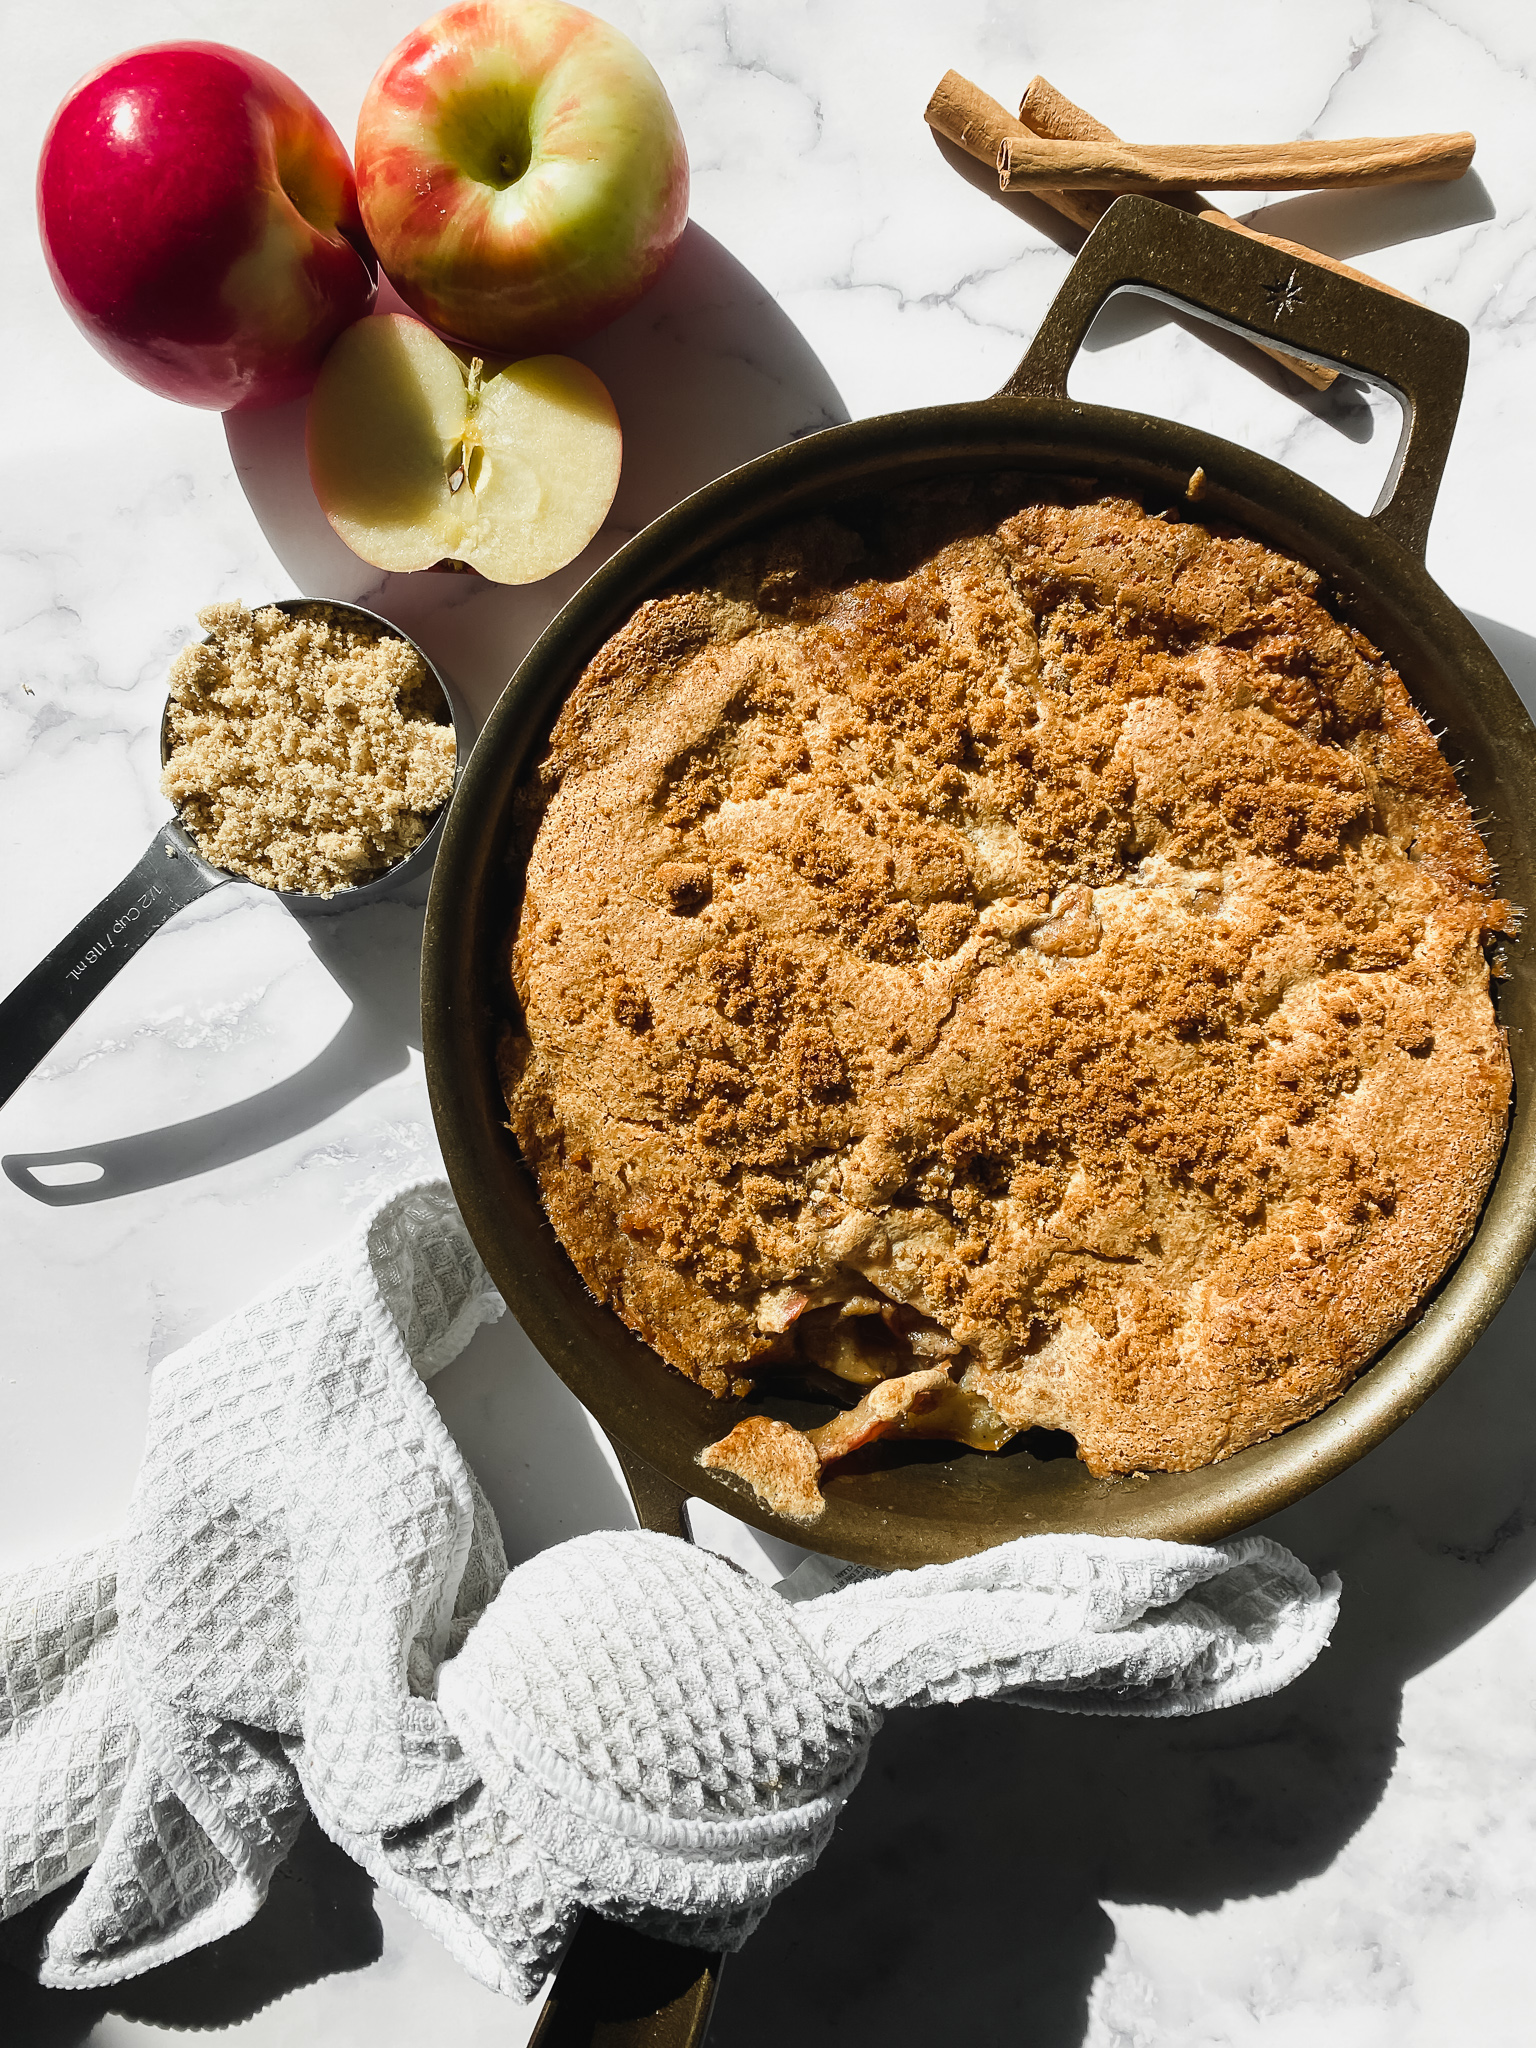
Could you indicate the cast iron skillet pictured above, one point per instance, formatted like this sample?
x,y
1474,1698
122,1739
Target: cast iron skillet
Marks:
x,y
938,1507
932,1509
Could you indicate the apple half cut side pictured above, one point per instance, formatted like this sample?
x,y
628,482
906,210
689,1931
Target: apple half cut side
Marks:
x,y
417,456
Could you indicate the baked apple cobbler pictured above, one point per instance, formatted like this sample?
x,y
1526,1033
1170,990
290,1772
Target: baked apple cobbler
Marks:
x,y
1011,960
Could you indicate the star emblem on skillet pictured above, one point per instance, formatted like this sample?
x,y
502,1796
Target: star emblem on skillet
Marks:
x,y
1284,295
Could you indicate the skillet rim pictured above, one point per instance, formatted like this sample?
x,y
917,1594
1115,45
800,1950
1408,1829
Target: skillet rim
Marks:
x,y
1381,586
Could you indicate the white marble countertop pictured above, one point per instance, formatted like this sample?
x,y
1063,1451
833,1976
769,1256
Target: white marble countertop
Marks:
x,y
1348,1865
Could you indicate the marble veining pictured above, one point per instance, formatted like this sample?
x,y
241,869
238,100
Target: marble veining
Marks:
x,y
1348,1865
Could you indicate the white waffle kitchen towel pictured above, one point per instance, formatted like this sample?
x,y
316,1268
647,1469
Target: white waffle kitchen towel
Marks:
x,y
310,1608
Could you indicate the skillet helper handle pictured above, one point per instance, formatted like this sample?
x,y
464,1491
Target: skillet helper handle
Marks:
x,y
616,1988
62,987
1272,298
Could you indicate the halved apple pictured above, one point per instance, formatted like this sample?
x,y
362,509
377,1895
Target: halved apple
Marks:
x,y
416,455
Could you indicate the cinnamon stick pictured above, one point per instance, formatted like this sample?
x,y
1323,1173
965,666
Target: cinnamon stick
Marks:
x,y
967,116
977,123
1045,111
1025,163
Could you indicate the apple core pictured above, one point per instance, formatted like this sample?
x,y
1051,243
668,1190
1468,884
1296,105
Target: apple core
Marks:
x,y
417,456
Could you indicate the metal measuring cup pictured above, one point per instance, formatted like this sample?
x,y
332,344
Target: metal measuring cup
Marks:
x,y
170,875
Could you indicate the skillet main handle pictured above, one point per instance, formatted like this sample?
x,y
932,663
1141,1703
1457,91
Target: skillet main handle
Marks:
x,y
1254,290
616,1988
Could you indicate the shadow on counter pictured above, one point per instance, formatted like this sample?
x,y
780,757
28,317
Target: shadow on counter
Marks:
x,y
549,1476
962,1897
372,953
707,372
318,1921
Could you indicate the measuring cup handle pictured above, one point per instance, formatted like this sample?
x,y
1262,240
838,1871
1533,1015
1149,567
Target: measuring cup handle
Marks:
x,y
40,1009
1254,290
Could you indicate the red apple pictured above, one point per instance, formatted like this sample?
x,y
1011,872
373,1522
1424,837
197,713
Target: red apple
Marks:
x,y
521,173
200,221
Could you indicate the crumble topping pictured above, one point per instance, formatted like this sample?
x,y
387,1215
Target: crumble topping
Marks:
x,y
1003,938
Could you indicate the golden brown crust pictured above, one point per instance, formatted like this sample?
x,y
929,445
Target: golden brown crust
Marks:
x,y
777,1461
1070,940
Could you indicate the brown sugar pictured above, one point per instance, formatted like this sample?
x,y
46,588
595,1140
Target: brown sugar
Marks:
x,y
305,753
1009,938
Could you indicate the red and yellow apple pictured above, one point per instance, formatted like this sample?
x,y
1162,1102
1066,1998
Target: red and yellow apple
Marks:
x,y
417,456
200,221
521,173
